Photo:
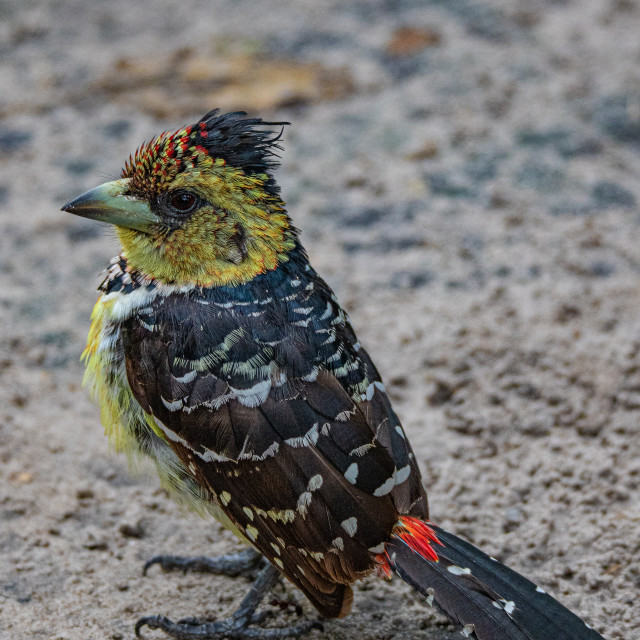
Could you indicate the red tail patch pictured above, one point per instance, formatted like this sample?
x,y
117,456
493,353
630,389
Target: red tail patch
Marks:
x,y
417,535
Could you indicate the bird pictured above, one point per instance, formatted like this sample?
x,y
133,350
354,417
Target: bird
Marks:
x,y
217,352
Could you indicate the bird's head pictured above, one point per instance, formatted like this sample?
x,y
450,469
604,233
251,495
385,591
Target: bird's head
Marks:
x,y
199,206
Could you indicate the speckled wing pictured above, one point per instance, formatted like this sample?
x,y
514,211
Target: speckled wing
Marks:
x,y
273,407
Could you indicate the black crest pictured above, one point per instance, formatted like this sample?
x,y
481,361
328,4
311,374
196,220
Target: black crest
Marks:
x,y
242,142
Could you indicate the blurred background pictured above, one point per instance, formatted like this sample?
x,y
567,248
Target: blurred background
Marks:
x,y
465,174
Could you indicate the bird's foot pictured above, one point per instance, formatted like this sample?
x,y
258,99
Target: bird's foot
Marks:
x,y
232,628
243,624
245,562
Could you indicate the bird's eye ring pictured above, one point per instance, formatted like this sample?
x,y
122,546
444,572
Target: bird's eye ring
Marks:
x,y
183,202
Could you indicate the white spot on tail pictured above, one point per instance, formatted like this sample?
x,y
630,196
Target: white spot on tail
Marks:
x,y
386,486
338,543
350,525
403,474
351,474
303,502
509,606
539,590
252,533
458,571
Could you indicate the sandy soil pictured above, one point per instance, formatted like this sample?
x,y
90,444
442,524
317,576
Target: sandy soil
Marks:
x,y
466,177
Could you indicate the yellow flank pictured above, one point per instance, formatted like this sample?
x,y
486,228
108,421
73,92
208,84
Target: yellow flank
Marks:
x,y
105,376
129,428
242,232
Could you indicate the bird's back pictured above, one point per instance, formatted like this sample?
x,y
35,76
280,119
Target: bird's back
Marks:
x,y
269,402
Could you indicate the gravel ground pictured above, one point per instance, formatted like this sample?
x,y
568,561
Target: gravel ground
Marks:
x,y
465,173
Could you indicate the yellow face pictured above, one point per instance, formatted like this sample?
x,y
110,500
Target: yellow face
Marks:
x,y
186,217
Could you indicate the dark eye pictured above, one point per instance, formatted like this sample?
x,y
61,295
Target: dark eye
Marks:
x,y
183,201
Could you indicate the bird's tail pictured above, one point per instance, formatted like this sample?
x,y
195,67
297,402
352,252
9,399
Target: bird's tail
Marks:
x,y
489,600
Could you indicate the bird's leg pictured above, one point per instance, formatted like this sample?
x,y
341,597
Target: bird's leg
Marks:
x,y
244,562
238,626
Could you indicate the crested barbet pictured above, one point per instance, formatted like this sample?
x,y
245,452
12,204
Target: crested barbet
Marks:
x,y
218,352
